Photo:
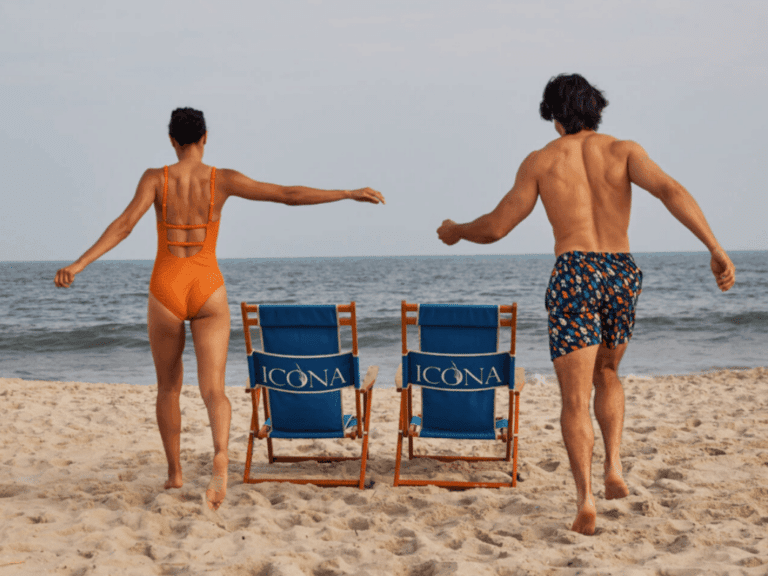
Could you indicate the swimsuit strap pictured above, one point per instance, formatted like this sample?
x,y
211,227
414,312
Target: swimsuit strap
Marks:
x,y
213,189
165,190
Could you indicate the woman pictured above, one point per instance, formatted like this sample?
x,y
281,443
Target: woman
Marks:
x,y
186,283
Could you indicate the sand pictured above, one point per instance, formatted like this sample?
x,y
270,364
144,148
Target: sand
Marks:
x,y
82,469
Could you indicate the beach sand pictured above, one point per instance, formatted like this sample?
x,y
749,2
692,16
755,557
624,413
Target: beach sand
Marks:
x,y
82,469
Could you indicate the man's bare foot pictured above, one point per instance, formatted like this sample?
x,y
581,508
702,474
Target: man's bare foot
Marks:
x,y
586,517
615,487
217,487
174,481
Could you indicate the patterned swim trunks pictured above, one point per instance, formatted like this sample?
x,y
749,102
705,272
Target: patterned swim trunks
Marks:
x,y
591,299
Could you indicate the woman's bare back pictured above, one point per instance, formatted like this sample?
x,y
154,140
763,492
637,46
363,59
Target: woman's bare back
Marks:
x,y
187,202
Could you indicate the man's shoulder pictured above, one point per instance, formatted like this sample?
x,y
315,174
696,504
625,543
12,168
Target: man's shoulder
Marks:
x,y
545,155
617,145
620,144
614,144
534,162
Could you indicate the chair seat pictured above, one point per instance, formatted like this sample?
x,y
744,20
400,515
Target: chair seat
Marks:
x,y
458,435
348,419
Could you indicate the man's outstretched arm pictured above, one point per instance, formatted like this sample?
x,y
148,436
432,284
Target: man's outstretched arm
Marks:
x,y
646,173
513,209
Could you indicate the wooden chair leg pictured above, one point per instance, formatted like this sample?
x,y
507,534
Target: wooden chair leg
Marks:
x,y
255,394
514,439
408,423
270,448
510,418
364,455
359,413
401,431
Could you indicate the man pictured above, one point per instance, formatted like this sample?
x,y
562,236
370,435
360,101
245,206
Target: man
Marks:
x,y
584,180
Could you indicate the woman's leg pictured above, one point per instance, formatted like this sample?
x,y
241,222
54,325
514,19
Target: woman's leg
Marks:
x,y
166,339
210,333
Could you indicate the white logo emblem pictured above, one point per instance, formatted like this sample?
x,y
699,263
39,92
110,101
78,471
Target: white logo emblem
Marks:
x,y
299,379
453,376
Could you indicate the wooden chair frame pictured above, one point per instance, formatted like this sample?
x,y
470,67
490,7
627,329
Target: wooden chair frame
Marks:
x,y
409,431
363,399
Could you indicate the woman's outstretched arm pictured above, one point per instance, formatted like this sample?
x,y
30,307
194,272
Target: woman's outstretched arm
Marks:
x,y
115,232
233,183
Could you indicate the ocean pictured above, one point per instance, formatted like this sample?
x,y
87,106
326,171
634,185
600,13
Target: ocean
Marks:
x,y
96,330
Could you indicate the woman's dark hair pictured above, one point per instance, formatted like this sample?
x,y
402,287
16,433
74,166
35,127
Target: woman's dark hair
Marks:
x,y
572,101
187,126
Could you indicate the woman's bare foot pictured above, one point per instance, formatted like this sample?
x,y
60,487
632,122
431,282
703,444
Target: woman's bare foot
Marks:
x,y
586,517
615,487
174,480
217,487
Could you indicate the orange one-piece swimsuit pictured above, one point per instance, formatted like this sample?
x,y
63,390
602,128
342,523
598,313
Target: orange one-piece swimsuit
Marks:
x,y
183,285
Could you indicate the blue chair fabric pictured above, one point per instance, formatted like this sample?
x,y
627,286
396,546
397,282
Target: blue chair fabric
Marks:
x,y
302,372
457,369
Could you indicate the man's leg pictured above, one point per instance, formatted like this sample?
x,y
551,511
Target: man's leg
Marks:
x,y
574,372
609,411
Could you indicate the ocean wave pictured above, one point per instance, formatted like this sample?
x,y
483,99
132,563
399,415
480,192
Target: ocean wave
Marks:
x,y
753,319
380,331
105,337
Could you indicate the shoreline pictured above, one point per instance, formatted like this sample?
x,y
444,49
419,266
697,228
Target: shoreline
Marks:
x,y
82,468
385,380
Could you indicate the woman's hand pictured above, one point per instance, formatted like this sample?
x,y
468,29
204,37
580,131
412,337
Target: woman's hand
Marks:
x,y
65,276
367,195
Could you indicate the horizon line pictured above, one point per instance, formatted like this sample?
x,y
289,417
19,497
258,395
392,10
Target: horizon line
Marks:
x,y
526,254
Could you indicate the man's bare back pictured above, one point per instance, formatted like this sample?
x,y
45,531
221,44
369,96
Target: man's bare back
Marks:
x,y
584,185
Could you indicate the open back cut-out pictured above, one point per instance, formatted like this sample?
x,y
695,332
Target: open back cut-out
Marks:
x,y
184,283
170,228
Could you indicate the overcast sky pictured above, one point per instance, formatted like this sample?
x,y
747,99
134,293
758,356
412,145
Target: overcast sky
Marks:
x,y
434,103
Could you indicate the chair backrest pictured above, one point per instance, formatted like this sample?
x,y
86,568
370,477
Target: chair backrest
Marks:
x,y
299,330
458,369
302,368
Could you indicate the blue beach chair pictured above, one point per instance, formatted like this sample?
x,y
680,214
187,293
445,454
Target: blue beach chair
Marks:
x,y
302,372
457,368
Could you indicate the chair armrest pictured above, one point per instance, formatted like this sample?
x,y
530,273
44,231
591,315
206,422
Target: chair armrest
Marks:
x,y
370,378
399,377
519,379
